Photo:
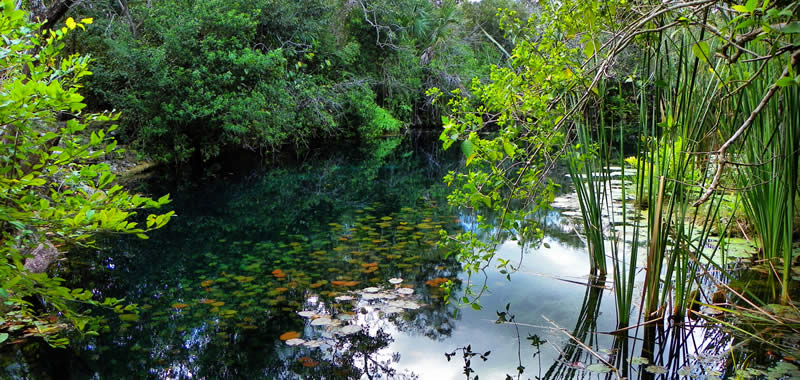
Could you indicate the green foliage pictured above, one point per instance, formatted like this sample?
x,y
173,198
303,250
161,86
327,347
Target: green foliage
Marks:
x,y
55,189
197,80
218,76
708,78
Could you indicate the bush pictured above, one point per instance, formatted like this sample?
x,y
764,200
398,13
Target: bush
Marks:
x,y
54,189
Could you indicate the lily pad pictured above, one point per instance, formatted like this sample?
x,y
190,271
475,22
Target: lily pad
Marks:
x,y
685,371
323,321
405,304
639,360
313,343
656,369
598,368
349,329
289,335
395,281
405,291
306,313
370,290
295,342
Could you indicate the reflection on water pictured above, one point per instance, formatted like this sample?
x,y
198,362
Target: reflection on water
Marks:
x,y
286,274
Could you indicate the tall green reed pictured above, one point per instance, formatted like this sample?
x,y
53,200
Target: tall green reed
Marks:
x,y
769,156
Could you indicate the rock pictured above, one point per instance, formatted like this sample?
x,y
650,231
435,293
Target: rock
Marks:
x,y
43,255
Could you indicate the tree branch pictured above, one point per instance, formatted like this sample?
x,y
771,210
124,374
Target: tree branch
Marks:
x,y
724,148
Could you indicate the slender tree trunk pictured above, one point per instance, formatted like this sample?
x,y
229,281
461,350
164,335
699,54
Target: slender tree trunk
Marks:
x,y
50,15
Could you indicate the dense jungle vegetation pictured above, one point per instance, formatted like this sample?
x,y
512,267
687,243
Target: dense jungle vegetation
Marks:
x,y
699,100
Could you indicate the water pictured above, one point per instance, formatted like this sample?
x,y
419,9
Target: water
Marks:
x,y
219,289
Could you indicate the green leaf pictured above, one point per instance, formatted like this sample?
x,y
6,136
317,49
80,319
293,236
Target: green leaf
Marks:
x,y
509,149
638,360
655,369
701,51
3,337
790,28
467,148
785,81
740,9
598,368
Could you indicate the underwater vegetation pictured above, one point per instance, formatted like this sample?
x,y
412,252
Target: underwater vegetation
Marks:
x,y
293,300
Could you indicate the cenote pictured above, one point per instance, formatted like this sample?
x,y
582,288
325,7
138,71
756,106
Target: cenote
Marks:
x,y
310,271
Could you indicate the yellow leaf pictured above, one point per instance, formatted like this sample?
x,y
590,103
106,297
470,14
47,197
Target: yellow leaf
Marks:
x,y
71,23
87,20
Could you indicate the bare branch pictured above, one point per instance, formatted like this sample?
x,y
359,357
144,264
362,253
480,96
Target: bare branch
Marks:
x,y
724,148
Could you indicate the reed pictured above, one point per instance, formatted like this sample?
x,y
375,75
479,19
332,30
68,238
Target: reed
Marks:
x,y
769,153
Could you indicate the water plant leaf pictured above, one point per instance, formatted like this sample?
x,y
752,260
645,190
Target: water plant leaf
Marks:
x,y
655,369
638,360
295,342
307,361
322,321
349,329
289,335
313,343
598,368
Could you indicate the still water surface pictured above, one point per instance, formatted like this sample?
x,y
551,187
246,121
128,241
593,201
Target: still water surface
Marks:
x,y
220,288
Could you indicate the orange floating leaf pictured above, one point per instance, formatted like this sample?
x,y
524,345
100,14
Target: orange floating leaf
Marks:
x,y
436,282
289,335
179,305
308,362
206,283
278,273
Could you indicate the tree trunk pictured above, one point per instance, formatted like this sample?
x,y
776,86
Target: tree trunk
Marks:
x,y
52,14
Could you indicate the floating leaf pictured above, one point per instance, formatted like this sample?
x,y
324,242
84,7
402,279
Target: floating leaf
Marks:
x,y
289,335
349,329
638,360
395,281
129,317
307,361
295,342
322,321
598,368
405,291
655,369
313,343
